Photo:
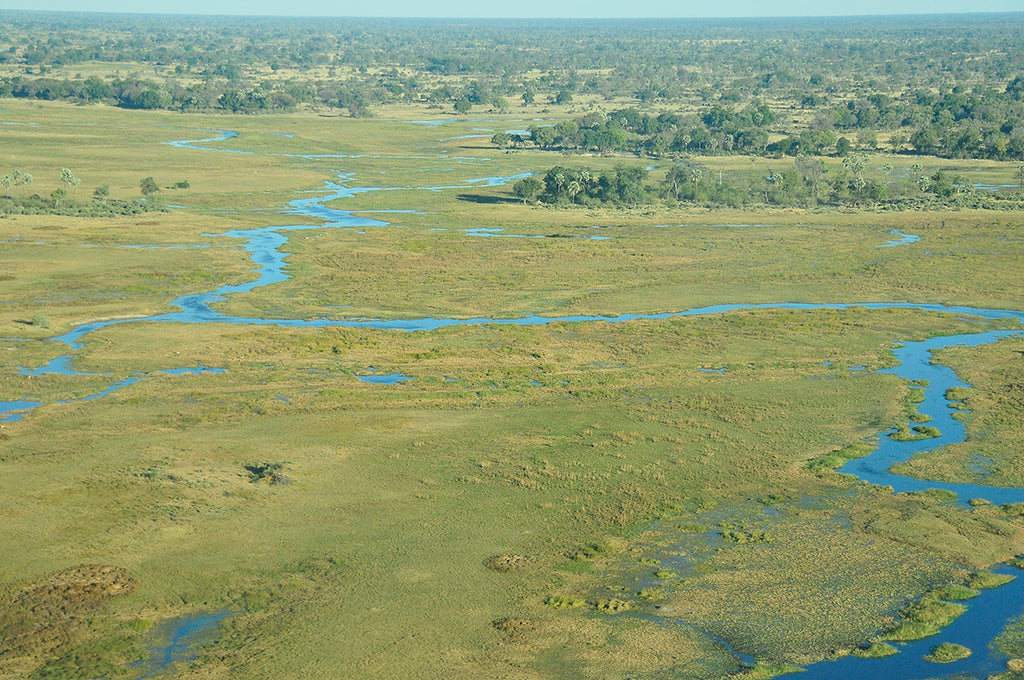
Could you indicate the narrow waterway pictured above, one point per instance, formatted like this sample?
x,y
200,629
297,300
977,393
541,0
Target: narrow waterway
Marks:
x,y
986,616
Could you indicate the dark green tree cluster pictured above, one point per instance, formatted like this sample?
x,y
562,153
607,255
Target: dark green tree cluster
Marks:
x,y
624,186
976,125
806,183
721,129
962,122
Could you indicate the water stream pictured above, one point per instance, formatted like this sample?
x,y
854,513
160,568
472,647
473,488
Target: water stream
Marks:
x,y
984,619
178,642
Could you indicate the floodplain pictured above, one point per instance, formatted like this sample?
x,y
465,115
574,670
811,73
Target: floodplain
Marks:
x,y
589,499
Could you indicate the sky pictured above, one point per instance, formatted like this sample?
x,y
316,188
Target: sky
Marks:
x,y
527,8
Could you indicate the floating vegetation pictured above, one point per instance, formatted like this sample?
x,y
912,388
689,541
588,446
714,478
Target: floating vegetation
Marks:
x,y
745,536
838,458
983,580
612,605
875,650
948,652
916,433
924,618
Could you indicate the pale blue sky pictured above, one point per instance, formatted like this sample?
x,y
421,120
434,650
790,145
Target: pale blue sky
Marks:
x,y
527,8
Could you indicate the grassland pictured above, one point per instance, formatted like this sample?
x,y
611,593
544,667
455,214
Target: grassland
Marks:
x,y
429,526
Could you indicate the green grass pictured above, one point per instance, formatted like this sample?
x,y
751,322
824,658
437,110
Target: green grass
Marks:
x,y
875,650
948,652
915,433
992,409
924,619
956,593
984,580
765,671
836,459
373,561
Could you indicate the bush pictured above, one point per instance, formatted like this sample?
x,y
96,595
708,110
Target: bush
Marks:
x,y
271,472
562,602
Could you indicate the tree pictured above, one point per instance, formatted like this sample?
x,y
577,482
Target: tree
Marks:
x,y
527,188
68,179
16,178
630,186
812,170
502,140
148,186
676,180
926,140
1016,88
463,105
101,193
1019,176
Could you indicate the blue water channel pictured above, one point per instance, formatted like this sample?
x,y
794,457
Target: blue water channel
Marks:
x,y
904,239
985,618
266,250
178,641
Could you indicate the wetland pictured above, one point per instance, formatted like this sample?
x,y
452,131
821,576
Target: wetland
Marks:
x,y
352,407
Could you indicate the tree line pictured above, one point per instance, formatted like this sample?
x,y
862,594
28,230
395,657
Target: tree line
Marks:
x,y
806,182
839,68
18,197
983,124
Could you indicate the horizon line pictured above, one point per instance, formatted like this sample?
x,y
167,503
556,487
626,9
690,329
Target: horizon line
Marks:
x,y
902,15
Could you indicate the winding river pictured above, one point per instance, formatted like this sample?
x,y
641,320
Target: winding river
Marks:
x,y
266,248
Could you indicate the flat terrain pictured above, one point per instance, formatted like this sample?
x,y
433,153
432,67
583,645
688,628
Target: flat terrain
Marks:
x,y
600,499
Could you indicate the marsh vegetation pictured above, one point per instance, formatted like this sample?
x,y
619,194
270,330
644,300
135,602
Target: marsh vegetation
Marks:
x,y
555,499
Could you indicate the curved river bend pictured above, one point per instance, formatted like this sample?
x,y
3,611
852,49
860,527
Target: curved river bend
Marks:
x,y
265,247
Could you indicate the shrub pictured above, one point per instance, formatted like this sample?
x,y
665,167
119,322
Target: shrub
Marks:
x,y
271,472
562,602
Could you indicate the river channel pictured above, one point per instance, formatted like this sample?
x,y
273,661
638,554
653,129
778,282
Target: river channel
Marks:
x,y
267,250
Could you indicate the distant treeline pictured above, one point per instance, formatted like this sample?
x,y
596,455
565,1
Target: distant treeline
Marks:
x,y
273,63
946,85
225,95
984,124
807,183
